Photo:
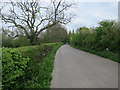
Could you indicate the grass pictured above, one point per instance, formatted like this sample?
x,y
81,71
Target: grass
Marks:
x,y
0,75
0,69
106,54
42,70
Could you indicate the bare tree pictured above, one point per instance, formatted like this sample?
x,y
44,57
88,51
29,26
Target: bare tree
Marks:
x,y
34,18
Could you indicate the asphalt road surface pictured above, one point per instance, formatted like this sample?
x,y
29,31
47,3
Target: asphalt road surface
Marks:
x,y
78,69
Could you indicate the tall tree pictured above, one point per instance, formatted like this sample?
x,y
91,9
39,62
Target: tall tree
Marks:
x,y
34,18
56,33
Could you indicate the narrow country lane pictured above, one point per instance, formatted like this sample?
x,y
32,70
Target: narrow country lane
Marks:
x,y
78,69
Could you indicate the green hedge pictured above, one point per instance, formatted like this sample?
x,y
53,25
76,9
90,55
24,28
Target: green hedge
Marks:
x,y
13,66
32,72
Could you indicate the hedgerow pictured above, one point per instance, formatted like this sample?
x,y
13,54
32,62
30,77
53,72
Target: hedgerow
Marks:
x,y
13,66
102,40
19,71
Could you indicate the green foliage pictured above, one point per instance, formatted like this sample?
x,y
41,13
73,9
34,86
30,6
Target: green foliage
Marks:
x,y
105,36
33,72
56,33
13,66
108,35
0,74
20,41
40,74
17,38
10,39
79,38
6,41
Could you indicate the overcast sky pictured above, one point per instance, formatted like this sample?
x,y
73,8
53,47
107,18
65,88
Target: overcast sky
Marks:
x,y
90,13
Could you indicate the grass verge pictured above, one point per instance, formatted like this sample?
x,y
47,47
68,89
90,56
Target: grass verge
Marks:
x,y
42,70
0,74
106,54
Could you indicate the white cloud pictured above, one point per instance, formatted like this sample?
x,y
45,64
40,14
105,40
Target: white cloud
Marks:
x,y
89,14
78,20
103,15
72,10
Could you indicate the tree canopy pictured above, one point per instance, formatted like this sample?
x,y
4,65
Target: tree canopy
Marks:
x,y
33,18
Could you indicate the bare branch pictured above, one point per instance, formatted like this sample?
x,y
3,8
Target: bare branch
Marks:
x,y
42,29
31,16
